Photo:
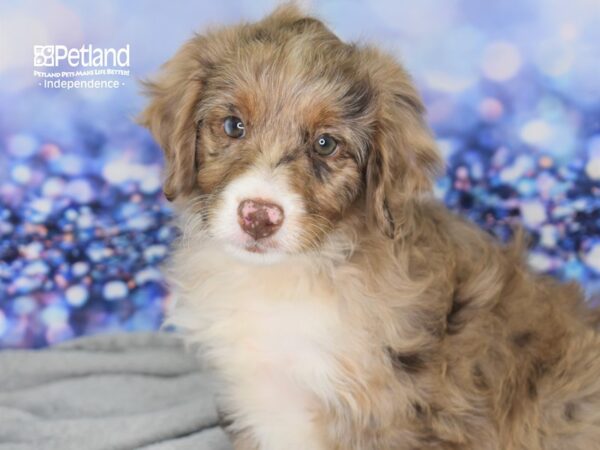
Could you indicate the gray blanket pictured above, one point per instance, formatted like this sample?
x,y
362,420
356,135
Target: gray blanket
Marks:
x,y
124,391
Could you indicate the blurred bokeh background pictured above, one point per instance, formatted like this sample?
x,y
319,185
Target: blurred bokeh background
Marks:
x,y
513,94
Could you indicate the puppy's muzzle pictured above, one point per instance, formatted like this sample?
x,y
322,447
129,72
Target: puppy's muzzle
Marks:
x,y
259,219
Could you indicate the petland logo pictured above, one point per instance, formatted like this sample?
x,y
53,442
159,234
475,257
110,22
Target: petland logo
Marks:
x,y
90,62
86,56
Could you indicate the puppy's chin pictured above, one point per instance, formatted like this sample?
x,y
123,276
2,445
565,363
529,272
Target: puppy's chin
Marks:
x,y
256,256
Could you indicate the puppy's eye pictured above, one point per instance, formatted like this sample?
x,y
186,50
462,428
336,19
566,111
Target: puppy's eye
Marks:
x,y
234,127
325,145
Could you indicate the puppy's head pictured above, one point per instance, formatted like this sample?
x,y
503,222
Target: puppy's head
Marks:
x,y
277,132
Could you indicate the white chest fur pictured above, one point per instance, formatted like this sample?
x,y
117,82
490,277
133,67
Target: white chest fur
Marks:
x,y
273,334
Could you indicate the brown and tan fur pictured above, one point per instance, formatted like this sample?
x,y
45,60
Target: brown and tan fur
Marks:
x,y
450,342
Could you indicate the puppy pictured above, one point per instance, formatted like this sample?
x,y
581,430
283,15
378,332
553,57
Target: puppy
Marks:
x,y
343,307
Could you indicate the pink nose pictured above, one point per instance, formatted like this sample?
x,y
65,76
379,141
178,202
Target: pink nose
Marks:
x,y
259,219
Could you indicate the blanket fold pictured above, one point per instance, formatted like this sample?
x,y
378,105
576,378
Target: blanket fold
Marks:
x,y
108,392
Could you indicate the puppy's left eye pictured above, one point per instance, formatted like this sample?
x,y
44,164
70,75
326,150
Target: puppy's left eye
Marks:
x,y
325,145
234,127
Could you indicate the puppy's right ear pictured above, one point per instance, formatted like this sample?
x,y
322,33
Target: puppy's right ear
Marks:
x,y
171,115
404,159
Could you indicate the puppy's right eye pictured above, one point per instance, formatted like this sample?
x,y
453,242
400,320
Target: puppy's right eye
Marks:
x,y
234,127
325,145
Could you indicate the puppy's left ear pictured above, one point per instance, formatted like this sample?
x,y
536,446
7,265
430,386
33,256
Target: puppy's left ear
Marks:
x,y
171,114
403,160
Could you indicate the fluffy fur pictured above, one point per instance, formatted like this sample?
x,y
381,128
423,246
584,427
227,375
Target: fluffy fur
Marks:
x,y
374,319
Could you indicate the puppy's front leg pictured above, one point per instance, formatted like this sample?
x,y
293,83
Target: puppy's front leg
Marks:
x,y
277,441
277,433
243,441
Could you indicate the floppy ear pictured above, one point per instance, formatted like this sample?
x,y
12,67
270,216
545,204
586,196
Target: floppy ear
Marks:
x,y
403,160
171,115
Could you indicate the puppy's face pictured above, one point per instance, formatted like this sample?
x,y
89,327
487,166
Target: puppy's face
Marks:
x,y
276,132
